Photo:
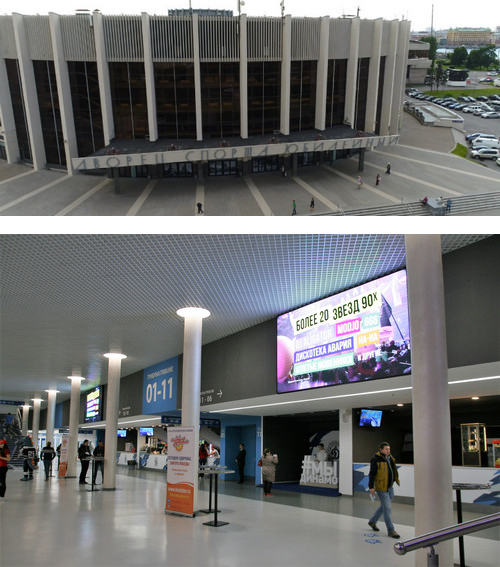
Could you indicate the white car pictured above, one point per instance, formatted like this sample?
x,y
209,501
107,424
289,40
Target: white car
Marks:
x,y
485,153
490,115
498,161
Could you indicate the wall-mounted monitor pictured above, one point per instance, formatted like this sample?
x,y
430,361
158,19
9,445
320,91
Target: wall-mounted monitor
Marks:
x,y
146,431
370,418
121,433
93,405
357,335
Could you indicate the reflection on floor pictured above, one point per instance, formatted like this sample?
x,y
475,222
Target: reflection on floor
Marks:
x,y
60,523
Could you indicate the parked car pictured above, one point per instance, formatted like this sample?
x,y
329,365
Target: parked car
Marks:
x,y
490,115
498,161
482,110
472,108
489,142
494,97
472,137
486,153
486,80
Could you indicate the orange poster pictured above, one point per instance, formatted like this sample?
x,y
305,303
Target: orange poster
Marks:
x,y
182,470
63,456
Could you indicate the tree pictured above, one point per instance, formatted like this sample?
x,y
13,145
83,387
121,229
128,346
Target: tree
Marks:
x,y
484,57
433,46
459,56
439,75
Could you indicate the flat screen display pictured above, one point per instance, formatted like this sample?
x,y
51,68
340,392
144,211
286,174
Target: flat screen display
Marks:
x,y
121,433
146,431
93,406
357,335
370,418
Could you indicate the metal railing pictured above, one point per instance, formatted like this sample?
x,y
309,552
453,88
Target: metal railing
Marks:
x,y
444,534
405,202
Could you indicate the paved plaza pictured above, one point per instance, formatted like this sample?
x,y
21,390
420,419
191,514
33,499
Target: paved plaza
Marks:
x,y
420,165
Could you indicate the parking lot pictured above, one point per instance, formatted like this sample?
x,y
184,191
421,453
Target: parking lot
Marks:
x,y
473,123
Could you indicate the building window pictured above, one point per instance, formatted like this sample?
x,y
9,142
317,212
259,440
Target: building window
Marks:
x,y
17,98
335,94
220,99
264,97
48,103
380,94
217,168
175,100
267,163
86,101
361,93
128,95
307,158
182,169
302,95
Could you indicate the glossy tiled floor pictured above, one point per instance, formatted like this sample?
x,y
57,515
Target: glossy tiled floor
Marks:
x,y
59,523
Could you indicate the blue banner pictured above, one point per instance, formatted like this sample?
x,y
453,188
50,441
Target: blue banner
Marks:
x,y
159,391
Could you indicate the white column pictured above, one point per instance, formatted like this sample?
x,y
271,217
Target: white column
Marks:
x,y
112,401
74,418
108,124
431,403
138,445
352,75
386,127
24,426
322,74
243,77
150,78
197,79
63,91
191,375
286,63
7,116
36,420
373,78
30,96
345,449
51,416
400,76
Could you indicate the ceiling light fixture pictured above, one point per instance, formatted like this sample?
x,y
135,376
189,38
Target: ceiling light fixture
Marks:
x,y
475,398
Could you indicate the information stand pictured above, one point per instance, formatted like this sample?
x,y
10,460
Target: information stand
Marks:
x,y
458,487
203,470
215,472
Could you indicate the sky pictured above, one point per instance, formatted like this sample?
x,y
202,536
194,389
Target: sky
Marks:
x,y
447,13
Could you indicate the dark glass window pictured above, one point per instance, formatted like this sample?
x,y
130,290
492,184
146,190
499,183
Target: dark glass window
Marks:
x,y
380,94
362,92
264,97
267,163
128,95
48,103
16,95
182,169
84,84
175,100
335,95
306,158
220,99
223,167
302,95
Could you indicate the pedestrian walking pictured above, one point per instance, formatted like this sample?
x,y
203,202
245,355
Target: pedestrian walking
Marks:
x,y
47,456
448,206
383,474
388,169
268,463
240,459
200,208
360,182
283,171
377,179
294,207
311,206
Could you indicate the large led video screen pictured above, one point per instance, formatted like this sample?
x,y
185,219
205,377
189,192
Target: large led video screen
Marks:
x,y
356,335
93,406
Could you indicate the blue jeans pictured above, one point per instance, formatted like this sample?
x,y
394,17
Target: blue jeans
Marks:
x,y
384,508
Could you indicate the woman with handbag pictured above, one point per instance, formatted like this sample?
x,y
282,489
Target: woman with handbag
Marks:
x,y
269,463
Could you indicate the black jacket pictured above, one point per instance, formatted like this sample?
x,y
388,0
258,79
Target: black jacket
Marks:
x,y
83,452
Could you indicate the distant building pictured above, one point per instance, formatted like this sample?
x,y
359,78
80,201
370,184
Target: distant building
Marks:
x,y
472,37
418,62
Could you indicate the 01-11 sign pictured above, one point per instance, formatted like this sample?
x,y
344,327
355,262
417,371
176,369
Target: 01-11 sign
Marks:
x,y
160,387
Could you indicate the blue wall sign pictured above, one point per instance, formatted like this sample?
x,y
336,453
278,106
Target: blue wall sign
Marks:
x,y
159,392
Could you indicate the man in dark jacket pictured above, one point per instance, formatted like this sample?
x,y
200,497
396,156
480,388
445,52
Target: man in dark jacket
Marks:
x,y
84,456
240,459
47,456
383,474
99,462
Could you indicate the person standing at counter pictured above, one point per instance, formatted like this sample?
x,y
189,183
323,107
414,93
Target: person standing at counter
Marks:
x,y
99,462
240,459
84,456
269,463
